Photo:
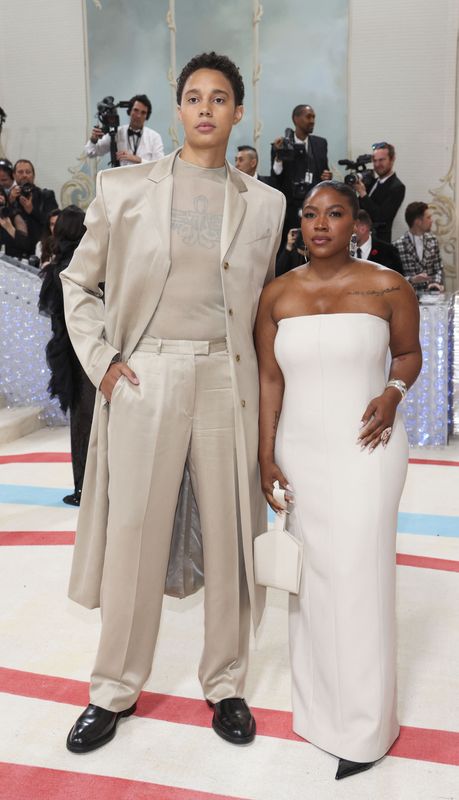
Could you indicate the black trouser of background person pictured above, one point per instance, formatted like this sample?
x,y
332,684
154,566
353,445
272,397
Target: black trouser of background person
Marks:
x,y
80,428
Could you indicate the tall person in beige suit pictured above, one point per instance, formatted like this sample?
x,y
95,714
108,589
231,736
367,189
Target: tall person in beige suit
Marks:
x,y
184,249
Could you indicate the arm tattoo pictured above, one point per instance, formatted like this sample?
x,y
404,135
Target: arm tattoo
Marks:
x,y
376,292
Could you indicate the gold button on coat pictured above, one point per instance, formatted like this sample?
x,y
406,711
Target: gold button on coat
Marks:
x,y
230,312
243,403
238,357
226,265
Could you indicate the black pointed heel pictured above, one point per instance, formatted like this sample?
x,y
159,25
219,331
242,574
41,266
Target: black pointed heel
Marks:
x,y
348,768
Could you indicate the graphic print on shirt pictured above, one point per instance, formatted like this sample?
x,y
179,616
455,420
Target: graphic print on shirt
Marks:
x,y
198,227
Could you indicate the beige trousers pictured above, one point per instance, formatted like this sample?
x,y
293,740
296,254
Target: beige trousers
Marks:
x,y
181,411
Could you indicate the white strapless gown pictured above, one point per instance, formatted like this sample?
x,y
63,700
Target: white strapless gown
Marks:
x,y
342,624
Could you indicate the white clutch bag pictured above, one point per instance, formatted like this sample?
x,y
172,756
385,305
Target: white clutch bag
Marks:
x,y
278,556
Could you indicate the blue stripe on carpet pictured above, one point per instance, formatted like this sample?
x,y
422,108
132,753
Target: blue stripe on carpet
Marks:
x,y
420,524
32,495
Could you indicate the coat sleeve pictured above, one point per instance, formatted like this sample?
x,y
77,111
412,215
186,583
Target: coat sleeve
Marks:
x,y
439,275
272,263
84,307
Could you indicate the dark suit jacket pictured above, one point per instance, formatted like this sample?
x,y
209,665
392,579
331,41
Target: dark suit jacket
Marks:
x,y
316,160
385,254
383,205
266,179
44,201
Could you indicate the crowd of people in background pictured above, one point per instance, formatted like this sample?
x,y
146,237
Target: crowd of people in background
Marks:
x,y
32,225
299,161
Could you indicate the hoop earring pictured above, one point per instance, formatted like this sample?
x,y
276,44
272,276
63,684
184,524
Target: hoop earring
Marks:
x,y
353,245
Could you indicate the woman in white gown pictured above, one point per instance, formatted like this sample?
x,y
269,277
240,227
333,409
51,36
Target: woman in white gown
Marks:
x,y
330,432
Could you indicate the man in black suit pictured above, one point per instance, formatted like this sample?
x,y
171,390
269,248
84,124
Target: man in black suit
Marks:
x,y
371,249
247,161
294,177
384,196
32,203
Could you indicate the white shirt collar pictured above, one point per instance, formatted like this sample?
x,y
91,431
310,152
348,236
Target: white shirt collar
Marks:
x,y
386,178
366,248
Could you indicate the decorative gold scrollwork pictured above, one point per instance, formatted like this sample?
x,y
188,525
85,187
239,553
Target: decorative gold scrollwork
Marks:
x,y
81,187
256,70
172,72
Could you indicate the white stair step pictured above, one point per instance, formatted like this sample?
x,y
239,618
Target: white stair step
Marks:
x,y
18,422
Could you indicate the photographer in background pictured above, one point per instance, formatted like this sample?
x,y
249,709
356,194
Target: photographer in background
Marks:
x,y
31,202
13,229
384,196
6,175
419,250
293,254
136,143
299,161
371,249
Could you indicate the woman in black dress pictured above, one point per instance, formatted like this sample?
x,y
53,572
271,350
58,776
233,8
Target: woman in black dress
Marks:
x,y
68,380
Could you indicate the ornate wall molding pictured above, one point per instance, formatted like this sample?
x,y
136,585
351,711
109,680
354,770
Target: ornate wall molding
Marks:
x,y
79,190
172,71
81,187
256,70
444,205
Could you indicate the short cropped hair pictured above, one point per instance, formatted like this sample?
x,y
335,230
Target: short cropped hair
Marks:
x,y
340,187
413,211
298,109
140,98
24,161
385,146
248,148
213,61
364,218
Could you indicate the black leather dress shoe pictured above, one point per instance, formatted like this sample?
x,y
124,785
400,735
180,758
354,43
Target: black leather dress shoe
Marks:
x,y
72,499
348,768
233,720
94,727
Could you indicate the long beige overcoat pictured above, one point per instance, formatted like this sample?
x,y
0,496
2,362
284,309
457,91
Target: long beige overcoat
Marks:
x,y
127,246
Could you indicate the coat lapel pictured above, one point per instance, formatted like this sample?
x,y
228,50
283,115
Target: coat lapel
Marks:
x,y
234,209
157,210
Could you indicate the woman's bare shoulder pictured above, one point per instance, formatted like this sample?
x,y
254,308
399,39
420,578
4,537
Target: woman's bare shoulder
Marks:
x,y
283,283
376,279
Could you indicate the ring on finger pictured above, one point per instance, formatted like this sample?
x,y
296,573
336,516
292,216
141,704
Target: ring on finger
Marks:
x,y
385,436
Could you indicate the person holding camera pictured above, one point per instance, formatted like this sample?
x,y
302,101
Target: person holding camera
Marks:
x,y
299,161
13,229
31,202
419,250
382,197
136,143
293,254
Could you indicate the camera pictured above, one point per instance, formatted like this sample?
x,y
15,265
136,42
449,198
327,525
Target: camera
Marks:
x,y
287,151
359,170
299,189
108,115
26,189
5,212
